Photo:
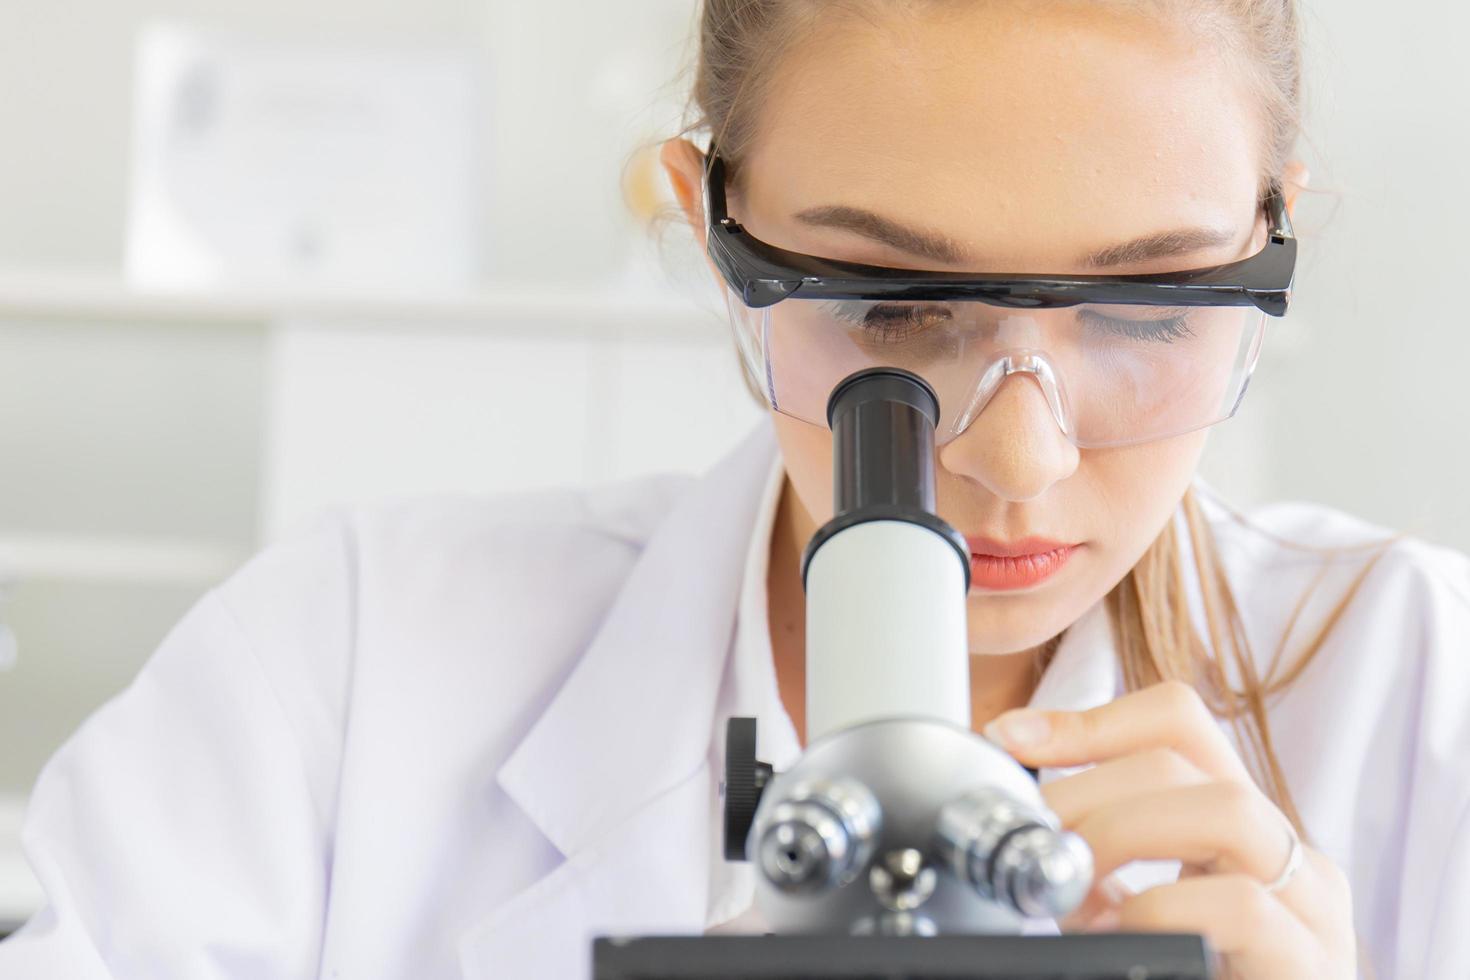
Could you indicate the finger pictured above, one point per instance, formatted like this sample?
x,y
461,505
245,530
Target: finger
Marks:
x,y
1141,774
1238,917
1099,909
1225,827
1169,715
1321,896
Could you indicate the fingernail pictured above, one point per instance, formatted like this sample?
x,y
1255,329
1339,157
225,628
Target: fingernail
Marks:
x,y
1114,890
1019,729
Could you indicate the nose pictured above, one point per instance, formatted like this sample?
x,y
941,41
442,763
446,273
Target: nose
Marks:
x,y
1014,447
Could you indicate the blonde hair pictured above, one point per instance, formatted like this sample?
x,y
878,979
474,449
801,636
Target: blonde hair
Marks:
x,y
741,44
1157,640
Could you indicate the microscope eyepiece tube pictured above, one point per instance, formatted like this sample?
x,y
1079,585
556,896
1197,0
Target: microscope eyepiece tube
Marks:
x,y
886,579
885,415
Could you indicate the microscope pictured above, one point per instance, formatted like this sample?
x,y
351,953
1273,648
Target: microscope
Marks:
x,y
900,845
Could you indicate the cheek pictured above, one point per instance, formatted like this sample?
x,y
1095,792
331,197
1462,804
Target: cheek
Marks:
x,y
1137,489
806,452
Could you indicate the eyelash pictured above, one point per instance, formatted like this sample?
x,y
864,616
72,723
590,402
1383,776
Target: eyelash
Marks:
x,y
1165,329
882,322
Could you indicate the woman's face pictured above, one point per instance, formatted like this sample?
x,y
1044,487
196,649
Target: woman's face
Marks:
x,y
1030,139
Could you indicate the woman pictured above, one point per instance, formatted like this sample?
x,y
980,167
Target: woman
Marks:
x,y
460,737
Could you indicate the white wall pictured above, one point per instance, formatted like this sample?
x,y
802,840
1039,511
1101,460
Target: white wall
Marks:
x,y
1370,408
355,413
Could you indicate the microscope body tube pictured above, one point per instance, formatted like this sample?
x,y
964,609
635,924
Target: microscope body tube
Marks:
x,y
885,579
886,633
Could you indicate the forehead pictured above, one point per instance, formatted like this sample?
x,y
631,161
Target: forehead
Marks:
x,y
1040,130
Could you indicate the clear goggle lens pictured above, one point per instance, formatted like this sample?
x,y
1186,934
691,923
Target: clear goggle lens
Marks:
x,y
1112,374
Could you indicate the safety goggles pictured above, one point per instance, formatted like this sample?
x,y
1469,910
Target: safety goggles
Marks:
x,y
1120,359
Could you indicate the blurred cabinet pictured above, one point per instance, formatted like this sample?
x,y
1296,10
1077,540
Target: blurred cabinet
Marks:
x,y
577,391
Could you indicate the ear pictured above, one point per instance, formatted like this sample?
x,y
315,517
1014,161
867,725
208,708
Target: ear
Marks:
x,y
1293,181
684,164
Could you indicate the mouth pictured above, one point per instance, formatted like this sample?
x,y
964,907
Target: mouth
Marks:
x,y
1004,566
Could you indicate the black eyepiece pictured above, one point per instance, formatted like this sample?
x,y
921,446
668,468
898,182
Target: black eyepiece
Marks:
x,y
883,422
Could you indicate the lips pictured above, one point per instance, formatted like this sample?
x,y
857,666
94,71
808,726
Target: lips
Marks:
x,y
1005,565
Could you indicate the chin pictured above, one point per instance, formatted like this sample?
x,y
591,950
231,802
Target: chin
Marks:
x,y
1002,623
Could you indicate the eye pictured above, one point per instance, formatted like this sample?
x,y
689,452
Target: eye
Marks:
x,y
892,322
1157,329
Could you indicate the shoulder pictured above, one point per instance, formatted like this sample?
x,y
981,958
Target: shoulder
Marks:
x,y
437,585
532,537
1289,551
1358,622
1351,620
458,611
562,538
536,569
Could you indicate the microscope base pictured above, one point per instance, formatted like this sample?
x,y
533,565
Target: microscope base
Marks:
x,y
1094,956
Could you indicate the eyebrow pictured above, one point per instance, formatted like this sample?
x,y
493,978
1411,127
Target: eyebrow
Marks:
x,y
941,248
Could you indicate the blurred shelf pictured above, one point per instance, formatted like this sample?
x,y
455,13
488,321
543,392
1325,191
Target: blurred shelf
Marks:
x,y
20,895
103,297
26,557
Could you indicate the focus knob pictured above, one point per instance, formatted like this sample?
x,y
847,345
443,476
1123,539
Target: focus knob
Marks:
x,y
745,778
1012,852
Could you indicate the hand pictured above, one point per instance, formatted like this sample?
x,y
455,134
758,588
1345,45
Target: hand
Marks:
x,y
1169,786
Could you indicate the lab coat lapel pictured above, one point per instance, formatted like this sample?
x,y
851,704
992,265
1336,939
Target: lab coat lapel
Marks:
x,y
615,772
648,875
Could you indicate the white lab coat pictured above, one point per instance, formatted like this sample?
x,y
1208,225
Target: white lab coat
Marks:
x,y
457,737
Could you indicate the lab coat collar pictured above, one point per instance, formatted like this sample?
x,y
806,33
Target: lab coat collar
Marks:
x,y
1084,672
620,758
634,716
